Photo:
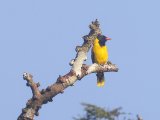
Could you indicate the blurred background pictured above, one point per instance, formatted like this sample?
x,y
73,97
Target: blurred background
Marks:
x,y
40,37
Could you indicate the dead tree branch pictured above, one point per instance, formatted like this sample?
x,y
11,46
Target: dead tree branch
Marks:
x,y
77,72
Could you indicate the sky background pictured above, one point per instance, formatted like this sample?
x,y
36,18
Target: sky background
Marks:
x,y
40,36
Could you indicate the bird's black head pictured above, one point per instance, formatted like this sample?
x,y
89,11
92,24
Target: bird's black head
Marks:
x,y
102,39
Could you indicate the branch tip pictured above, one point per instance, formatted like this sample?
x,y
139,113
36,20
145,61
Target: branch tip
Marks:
x,y
25,75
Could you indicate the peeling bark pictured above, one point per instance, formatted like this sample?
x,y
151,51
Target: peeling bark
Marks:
x,y
77,72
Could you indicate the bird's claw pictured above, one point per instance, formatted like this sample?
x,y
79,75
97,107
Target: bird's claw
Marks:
x,y
109,62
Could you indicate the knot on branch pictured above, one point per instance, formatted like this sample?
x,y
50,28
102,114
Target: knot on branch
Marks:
x,y
71,62
49,88
78,48
37,109
65,78
28,115
84,69
88,39
43,91
28,104
35,97
38,84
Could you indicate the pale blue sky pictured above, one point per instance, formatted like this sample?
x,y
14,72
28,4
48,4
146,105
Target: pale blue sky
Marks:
x,y
39,36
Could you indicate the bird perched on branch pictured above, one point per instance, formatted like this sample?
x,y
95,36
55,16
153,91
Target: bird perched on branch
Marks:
x,y
100,56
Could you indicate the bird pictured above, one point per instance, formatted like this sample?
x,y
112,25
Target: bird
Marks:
x,y
99,55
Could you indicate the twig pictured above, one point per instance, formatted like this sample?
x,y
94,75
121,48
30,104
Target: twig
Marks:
x,y
34,86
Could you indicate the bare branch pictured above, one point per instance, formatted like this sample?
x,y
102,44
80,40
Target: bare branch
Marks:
x,y
82,50
34,86
77,72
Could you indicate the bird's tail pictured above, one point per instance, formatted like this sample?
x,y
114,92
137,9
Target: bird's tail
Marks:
x,y
100,79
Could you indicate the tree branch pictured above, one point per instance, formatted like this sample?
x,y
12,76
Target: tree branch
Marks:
x,y
34,86
77,72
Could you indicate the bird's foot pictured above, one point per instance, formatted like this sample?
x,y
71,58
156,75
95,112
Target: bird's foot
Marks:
x,y
109,62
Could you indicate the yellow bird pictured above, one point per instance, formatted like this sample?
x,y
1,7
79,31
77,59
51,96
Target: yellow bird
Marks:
x,y
100,56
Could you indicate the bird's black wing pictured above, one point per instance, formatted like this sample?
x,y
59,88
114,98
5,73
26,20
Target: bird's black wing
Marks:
x,y
92,56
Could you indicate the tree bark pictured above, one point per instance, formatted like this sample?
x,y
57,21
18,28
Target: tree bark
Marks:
x,y
77,72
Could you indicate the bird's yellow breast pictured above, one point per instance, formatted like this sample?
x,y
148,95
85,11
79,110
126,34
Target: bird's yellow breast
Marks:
x,y
100,52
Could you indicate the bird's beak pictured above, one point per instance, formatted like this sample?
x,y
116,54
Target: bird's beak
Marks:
x,y
107,38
